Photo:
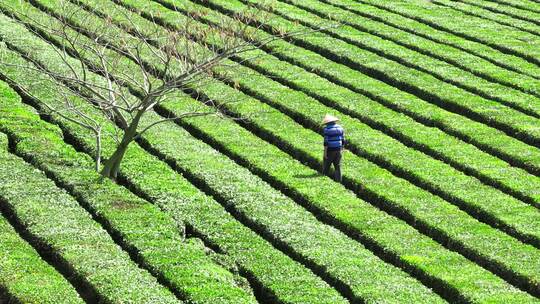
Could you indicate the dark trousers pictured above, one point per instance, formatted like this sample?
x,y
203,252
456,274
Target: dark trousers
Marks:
x,y
333,157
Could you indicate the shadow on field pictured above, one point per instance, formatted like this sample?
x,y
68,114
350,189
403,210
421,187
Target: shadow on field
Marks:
x,y
313,175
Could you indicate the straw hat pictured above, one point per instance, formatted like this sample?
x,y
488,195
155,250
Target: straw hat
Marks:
x,y
329,118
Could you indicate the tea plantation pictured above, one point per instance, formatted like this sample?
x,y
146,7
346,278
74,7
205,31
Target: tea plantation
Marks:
x,y
440,198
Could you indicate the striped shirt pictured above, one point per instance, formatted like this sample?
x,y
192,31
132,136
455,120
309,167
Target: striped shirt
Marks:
x,y
334,136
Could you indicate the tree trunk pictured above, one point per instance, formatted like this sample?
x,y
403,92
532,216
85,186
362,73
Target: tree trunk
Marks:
x,y
111,167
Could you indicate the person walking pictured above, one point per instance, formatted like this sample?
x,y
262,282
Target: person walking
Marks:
x,y
334,143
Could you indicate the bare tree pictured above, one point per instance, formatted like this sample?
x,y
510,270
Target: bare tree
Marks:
x,y
91,65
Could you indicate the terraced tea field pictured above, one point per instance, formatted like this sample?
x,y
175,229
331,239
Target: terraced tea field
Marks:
x,y
440,195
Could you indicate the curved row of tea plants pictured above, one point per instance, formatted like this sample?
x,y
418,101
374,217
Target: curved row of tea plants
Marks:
x,y
412,26
239,103
284,97
327,250
524,20
530,5
458,61
409,79
224,232
204,217
486,138
335,205
500,37
434,142
24,276
149,235
369,142
247,136
61,228
510,17
412,52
